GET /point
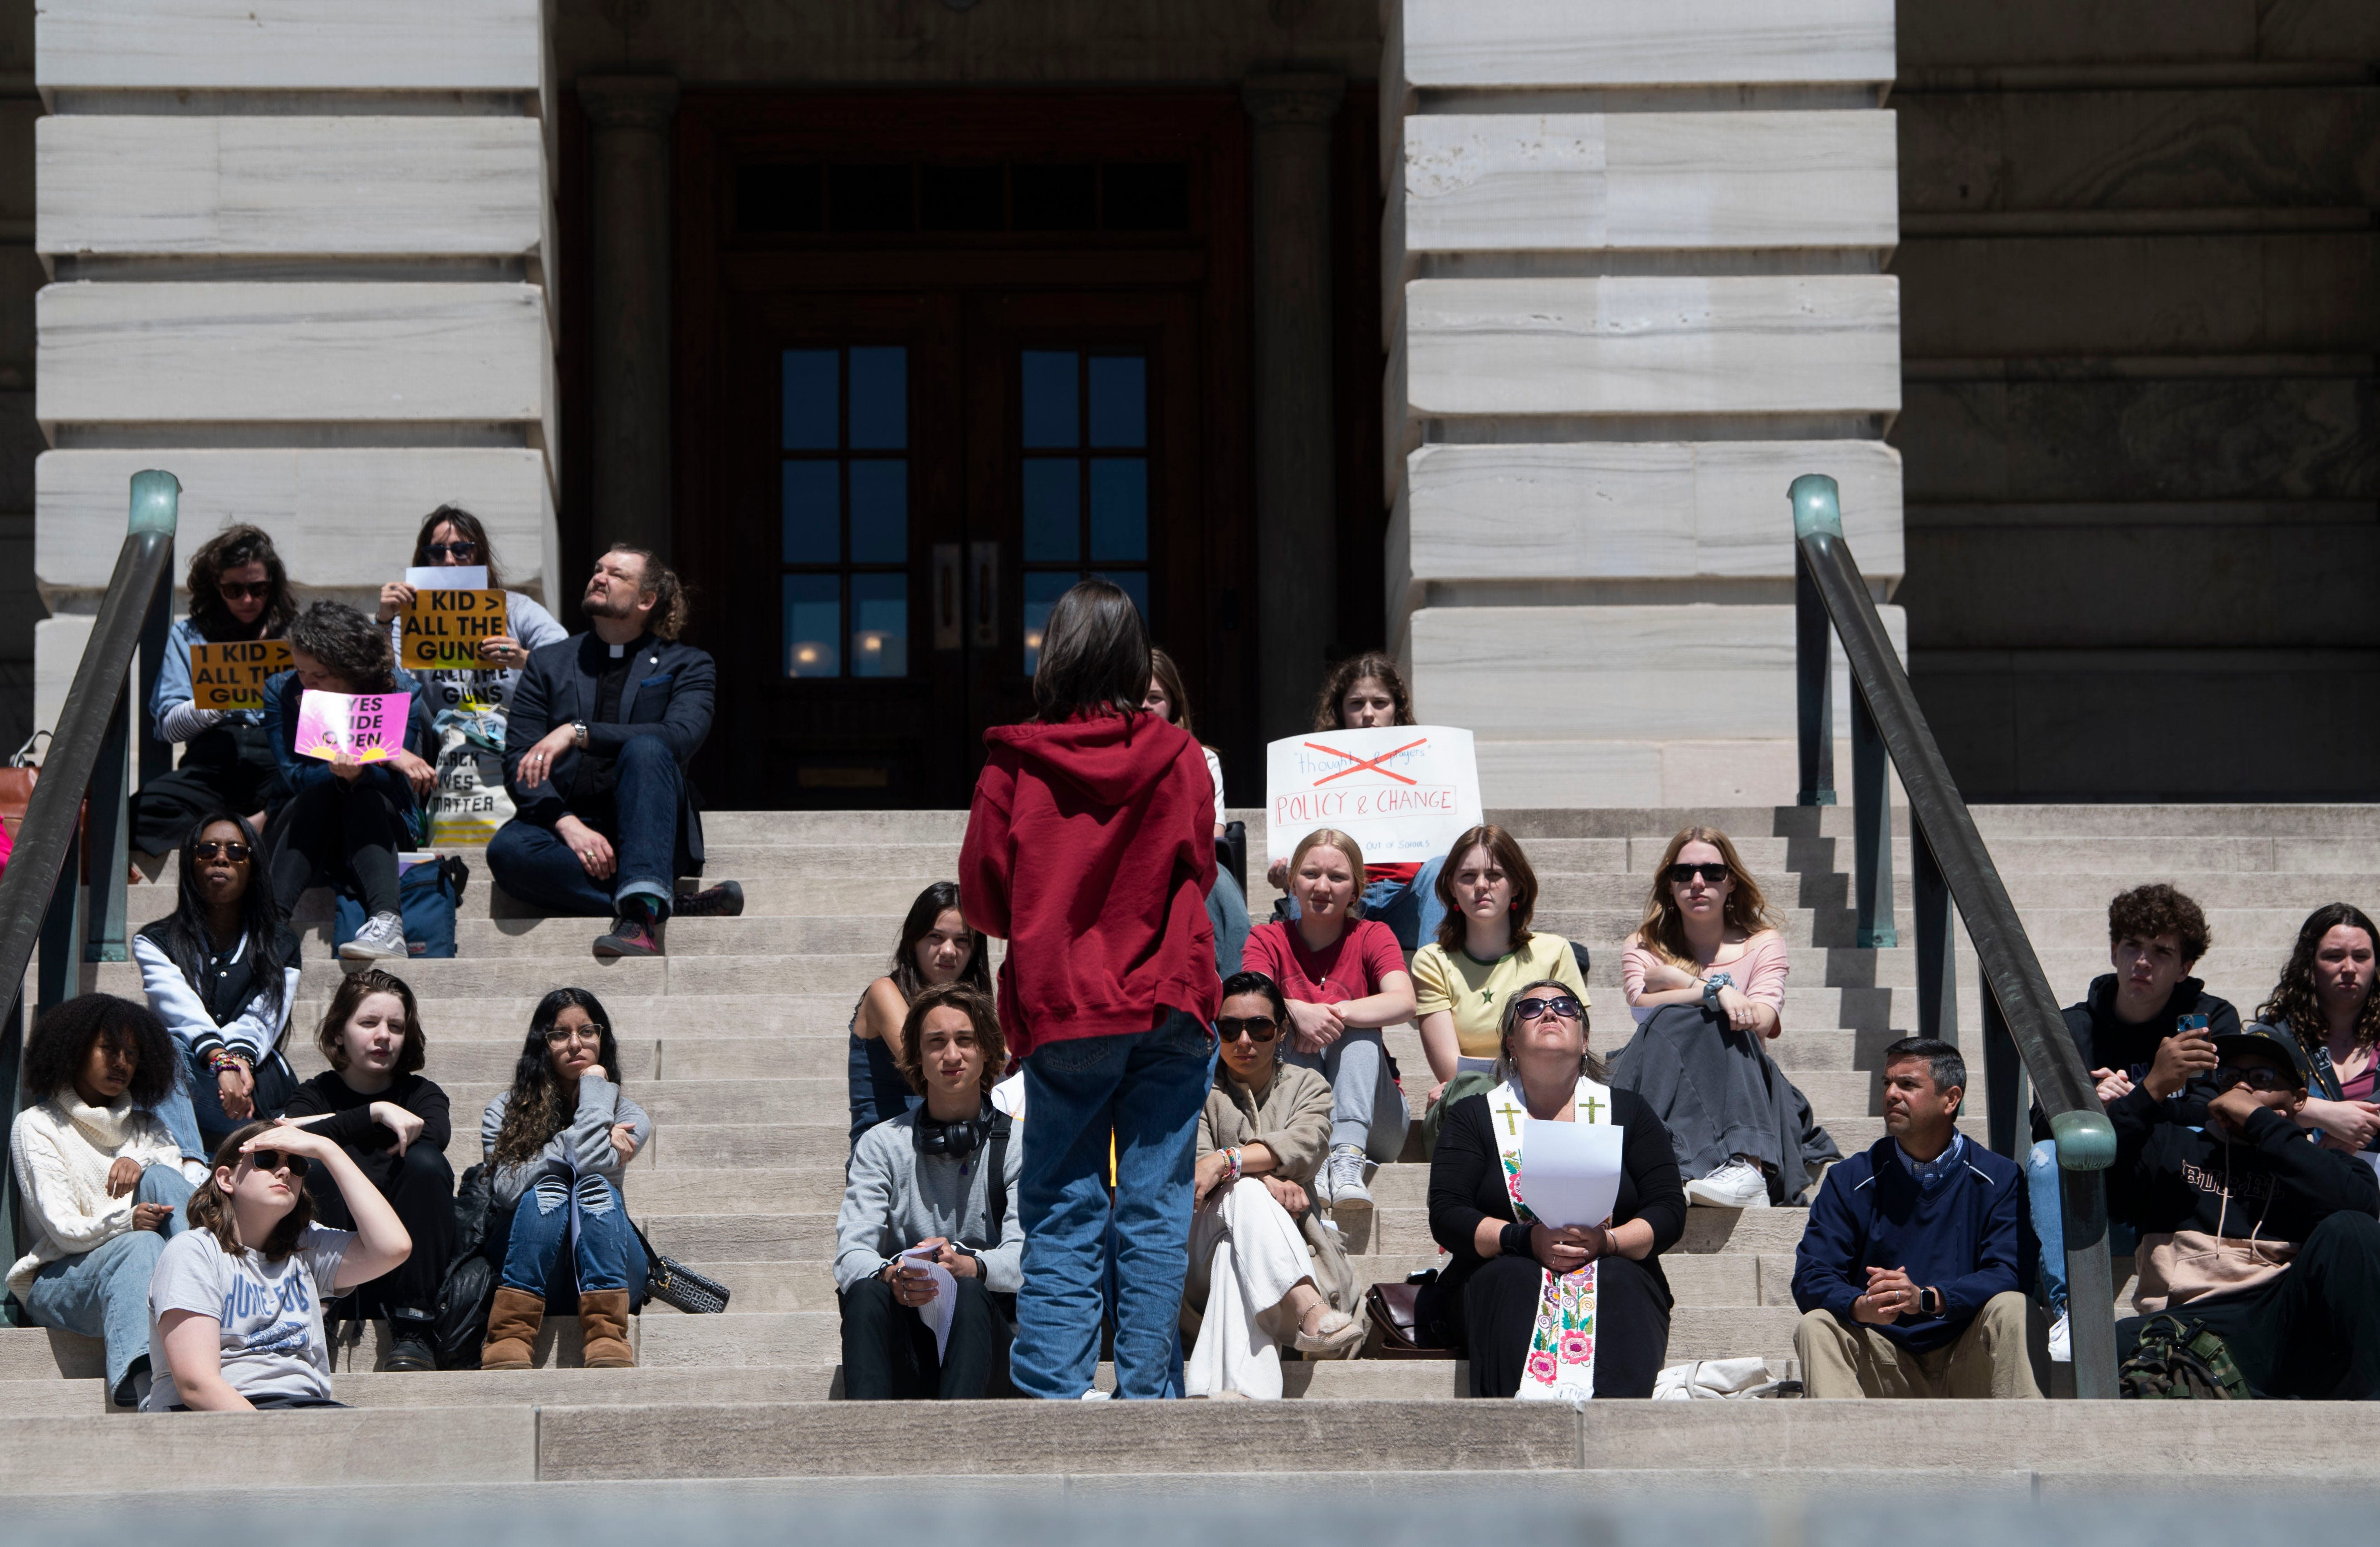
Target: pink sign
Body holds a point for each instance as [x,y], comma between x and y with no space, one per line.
[368,726]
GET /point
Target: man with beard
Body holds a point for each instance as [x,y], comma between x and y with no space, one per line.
[602,728]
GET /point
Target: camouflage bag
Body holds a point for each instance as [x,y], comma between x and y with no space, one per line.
[2176,1358]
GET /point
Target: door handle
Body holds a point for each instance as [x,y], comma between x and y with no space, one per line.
[948,603]
[983,580]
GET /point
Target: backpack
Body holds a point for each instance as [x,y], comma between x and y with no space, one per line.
[2177,1359]
[428,893]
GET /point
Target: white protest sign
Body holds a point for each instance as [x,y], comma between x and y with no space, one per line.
[1403,792]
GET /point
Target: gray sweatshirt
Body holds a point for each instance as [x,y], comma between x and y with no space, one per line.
[897,1198]
[583,1144]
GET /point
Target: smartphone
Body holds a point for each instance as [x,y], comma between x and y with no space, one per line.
[2189,1025]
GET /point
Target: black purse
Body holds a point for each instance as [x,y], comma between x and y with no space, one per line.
[673,1283]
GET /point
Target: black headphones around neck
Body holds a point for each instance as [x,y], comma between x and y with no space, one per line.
[961,1139]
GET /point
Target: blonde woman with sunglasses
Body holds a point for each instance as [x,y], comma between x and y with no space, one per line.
[1704,979]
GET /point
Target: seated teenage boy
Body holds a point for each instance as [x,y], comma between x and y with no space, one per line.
[600,732]
[922,1191]
[1907,1271]
[2250,1228]
[2155,935]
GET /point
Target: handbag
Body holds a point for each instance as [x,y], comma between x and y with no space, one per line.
[1396,1323]
[17,782]
[673,1283]
[472,800]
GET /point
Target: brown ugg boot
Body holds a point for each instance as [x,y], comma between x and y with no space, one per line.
[603,1322]
[513,1322]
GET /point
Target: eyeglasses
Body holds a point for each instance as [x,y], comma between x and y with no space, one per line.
[2259,1077]
[1563,1005]
[207,849]
[464,552]
[234,590]
[1256,1028]
[1712,874]
[556,1035]
[273,1160]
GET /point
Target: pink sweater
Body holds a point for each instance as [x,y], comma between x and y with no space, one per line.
[1758,967]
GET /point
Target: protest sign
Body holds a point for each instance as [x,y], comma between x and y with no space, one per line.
[232,676]
[1403,793]
[443,628]
[370,727]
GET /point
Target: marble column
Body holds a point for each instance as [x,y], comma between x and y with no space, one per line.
[1297,548]
[630,161]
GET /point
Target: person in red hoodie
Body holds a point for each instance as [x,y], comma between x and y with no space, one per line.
[1090,850]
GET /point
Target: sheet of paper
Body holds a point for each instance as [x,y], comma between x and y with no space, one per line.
[448,577]
[368,726]
[1570,1172]
[1008,1096]
[939,1310]
[1474,1066]
[232,676]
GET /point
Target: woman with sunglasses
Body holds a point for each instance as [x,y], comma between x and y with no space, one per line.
[558,1145]
[1705,978]
[238,592]
[222,973]
[452,538]
[1258,1254]
[235,1305]
[393,1124]
[1572,1311]
[1344,979]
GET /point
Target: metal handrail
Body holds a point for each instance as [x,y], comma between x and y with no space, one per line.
[2023,1026]
[78,810]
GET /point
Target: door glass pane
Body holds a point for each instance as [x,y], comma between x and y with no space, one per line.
[1053,509]
[1119,400]
[1133,584]
[880,399]
[879,625]
[1050,398]
[880,512]
[812,400]
[1041,593]
[813,626]
[813,514]
[1119,508]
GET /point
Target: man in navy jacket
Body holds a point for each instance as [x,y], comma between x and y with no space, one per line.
[1907,1272]
[596,744]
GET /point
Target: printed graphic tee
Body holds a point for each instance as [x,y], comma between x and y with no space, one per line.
[272,1312]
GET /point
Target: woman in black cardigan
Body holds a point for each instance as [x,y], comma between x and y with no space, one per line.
[1485,1303]
[395,1124]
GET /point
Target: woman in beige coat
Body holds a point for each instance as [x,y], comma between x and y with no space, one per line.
[1264,1134]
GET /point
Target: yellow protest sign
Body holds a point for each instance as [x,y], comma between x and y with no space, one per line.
[232,676]
[442,629]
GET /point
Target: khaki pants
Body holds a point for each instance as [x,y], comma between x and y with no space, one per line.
[1995,1356]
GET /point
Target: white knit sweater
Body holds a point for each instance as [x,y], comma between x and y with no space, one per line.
[63,1149]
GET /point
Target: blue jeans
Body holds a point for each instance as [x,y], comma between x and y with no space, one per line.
[538,868]
[1145,1088]
[588,1215]
[180,1116]
[202,1101]
[104,1292]
[1412,910]
[1227,910]
[2043,1197]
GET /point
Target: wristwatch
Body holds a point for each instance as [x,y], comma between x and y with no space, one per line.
[1712,983]
[579,734]
[1929,1301]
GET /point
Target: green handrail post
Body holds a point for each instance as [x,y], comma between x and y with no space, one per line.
[1815,510]
[156,513]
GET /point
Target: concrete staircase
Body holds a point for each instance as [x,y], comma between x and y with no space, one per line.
[735,1045]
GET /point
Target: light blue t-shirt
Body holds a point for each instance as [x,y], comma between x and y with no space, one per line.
[272,1312]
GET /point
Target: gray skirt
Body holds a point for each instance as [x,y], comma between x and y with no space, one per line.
[1720,1095]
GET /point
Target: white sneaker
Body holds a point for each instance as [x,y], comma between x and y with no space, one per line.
[1343,1177]
[381,937]
[1736,1185]
[2061,1343]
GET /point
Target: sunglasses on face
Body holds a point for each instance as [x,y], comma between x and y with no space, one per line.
[210,848]
[1257,1028]
[1712,874]
[464,552]
[273,1160]
[1563,1005]
[2260,1078]
[557,1036]
[234,590]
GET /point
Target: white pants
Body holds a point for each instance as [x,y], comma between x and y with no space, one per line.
[1246,1256]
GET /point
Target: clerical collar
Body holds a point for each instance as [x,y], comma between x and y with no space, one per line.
[618,650]
[1929,1173]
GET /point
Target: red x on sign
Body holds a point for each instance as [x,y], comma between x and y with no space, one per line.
[1358,765]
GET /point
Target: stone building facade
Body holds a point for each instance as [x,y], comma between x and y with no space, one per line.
[1488,331]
